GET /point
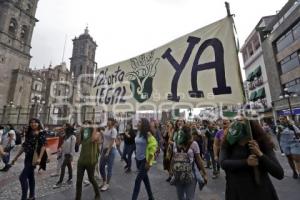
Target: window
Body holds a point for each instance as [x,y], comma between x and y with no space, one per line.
[24,33]
[256,44]
[293,86]
[288,38]
[296,3]
[20,89]
[289,63]
[296,31]
[250,50]
[35,87]
[12,29]
[245,57]
[284,41]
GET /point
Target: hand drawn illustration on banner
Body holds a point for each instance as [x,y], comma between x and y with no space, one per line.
[141,79]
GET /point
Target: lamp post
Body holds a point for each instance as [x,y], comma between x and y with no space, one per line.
[288,95]
[36,102]
[10,106]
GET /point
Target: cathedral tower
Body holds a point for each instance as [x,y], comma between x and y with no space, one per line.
[17,21]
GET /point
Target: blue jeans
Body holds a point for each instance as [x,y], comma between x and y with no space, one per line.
[27,177]
[141,176]
[186,191]
[127,153]
[109,161]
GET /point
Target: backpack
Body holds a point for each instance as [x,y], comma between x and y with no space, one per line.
[18,138]
[182,168]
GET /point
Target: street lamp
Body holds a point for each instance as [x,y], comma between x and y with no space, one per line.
[7,111]
[35,102]
[288,95]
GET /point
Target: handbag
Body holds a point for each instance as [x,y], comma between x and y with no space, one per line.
[169,152]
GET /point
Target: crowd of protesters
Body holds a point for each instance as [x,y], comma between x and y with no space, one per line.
[243,148]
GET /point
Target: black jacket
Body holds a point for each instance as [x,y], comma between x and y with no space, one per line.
[240,183]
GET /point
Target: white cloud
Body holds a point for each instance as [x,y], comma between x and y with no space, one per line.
[123,29]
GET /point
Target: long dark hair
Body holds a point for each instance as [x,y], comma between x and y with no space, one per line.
[188,135]
[144,127]
[29,130]
[176,124]
[172,124]
[263,139]
[69,130]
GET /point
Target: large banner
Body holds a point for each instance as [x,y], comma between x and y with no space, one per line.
[194,70]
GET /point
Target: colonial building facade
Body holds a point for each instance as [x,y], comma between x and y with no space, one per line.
[52,94]
[282,59]
[17,21]
[272,62]
[257,85]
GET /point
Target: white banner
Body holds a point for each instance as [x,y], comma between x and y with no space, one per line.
[200,68]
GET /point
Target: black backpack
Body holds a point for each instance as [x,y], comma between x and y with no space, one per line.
[18,138]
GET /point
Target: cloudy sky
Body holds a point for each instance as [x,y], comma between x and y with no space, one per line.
[127,28]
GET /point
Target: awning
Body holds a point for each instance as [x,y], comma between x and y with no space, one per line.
[257,72]
[250,77]
[261,93]
[252,96]
[229,114]
[286,112]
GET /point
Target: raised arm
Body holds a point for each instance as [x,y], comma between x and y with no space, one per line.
[95,135]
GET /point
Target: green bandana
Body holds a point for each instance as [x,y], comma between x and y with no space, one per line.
[236,132]
[181,138]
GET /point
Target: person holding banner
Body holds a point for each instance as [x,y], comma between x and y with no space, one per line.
[240,155]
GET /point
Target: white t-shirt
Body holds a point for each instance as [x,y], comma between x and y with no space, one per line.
[194,149]
[6,138]
[68,147]
[108,136]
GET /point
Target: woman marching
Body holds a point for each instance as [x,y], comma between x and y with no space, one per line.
[238,157]
[168,148]
[186,157]
[67,151]
[108,153]
[129,147]
[34,149]
[146,146]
